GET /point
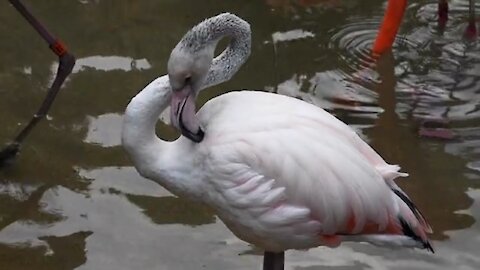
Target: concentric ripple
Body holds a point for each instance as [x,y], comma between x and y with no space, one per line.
[436,68]
[356,39]
[356,79]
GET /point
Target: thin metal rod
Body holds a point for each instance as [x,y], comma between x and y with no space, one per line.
[273,260]
[65,66]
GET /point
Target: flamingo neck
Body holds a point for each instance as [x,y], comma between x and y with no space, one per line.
[167,163]
[208,33]
[138,133]
[170,162]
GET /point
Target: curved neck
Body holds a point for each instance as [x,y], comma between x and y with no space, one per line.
[208,33]
[142,113]
[138,132]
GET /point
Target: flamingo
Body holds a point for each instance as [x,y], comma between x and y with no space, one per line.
[279,172]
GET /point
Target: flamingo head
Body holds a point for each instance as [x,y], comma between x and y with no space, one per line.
[187,69]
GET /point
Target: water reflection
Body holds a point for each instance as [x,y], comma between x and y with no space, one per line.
[69,246]
[109,63]
[73,200]
[105,130]
[290,35]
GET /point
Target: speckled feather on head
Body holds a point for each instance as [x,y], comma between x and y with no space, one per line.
[208,33]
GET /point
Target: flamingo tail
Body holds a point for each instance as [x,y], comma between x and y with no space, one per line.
[412,222]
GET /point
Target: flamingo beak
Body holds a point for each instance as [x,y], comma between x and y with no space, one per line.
[183,114]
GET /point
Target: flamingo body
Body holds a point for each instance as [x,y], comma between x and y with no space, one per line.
[281,173]
[285,173]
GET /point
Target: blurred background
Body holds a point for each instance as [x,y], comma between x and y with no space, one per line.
[72,200]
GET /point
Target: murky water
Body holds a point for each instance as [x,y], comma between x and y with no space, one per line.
[73,199]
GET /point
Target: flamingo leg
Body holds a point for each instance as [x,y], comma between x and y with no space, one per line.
[442,14]
[472,8]
[273,260]
[390,25]
[471,31]
[66,63]
[387,32]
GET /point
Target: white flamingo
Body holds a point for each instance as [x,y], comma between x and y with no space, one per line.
[280,173]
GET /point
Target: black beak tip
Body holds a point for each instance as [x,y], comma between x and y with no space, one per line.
[195,137]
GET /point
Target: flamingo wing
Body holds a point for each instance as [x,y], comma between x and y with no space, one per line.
[277,162]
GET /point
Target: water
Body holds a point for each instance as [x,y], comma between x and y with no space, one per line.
[73,200]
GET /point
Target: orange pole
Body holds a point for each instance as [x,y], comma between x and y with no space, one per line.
[389,28]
